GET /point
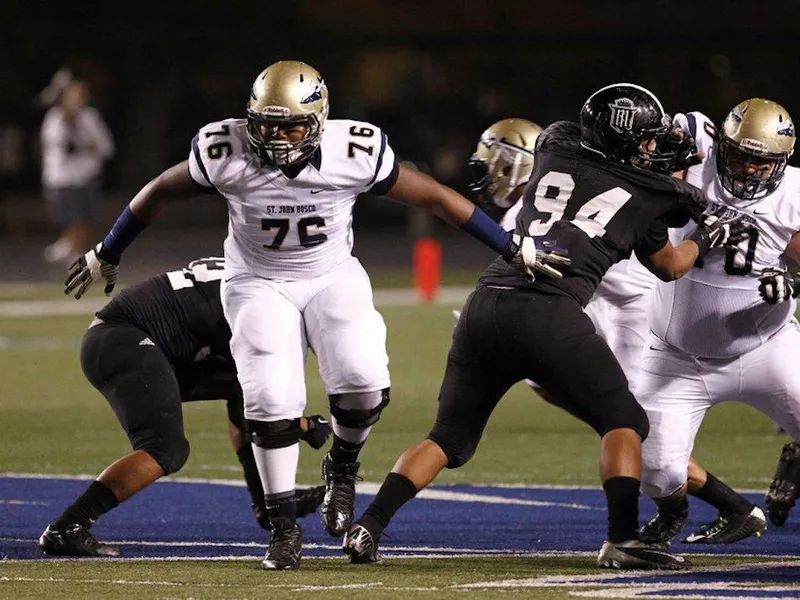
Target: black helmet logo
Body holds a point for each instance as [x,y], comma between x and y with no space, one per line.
[622,113]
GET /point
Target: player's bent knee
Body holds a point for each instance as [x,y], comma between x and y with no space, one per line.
[663,481]
[170,456]
[631,416]
[275,434]
[353,417]
[458,446]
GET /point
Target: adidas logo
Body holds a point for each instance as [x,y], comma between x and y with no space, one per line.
[146,342]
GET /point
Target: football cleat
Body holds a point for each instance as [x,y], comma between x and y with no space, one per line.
[339,502]
[284,550]
[635,554]
[730,527]
[665,525]
[73,540]
[307,500]
[784,487]
[360,546]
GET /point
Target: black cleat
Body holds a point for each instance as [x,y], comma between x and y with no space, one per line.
[635,554]
[665,525]
[360,546]
[339,502]
[729,528]
[73,540]
[284,550]
[308,500]
[784,487]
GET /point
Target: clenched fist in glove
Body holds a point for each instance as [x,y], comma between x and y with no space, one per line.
[776,286]
[95,265]
[524,253]
[720,228]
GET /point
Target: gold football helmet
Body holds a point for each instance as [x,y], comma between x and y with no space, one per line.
[286,93]
[755,143]
[503,160]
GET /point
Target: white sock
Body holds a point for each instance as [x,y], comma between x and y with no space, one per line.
[277,468]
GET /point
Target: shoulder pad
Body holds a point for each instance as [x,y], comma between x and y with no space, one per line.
[217,151]
[356,154]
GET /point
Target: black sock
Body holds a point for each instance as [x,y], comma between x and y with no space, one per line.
[722,497]
[344,452]
[97,500]
[282,510]
[395,492]
[251,477]
[622,496]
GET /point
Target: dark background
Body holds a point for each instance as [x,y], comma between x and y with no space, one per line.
[433,74]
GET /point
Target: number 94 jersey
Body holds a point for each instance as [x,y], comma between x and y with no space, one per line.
[291,228]
[715,310]
[593,210]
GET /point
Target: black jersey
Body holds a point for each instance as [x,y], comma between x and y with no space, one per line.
[595,211]
[180,311]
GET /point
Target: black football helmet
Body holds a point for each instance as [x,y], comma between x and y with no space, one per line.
[619,121]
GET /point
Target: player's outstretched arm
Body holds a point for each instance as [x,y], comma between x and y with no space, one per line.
[417,189]
[102,261]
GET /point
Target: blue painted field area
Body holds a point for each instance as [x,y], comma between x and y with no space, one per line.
[175,519]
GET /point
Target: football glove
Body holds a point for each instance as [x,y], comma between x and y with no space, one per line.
[318,432]
[720,228]
[685,149]
[95,265]
[776,286]
[523,253]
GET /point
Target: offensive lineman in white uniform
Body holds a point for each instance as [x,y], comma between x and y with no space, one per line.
[501,166]
[290,178]
[714,339]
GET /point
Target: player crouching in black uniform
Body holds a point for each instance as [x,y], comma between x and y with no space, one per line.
[599,191]
[155,345]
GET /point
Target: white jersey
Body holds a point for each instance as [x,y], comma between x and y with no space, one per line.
[290,229]
[715,311]
[622,282]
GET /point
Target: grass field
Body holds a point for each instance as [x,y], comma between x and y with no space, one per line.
[53,422]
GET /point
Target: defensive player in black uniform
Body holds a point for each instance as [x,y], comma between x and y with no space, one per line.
[156,344]
[599,191]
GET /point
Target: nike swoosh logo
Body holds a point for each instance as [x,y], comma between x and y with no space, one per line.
[657,349]
[316,191]
[760,214]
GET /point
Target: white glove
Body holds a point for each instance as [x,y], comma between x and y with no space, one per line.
[776,286]
[534,260]
[93,266]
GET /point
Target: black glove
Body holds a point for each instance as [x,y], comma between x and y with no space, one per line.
[95,265]
[523,253]
[720,228]
[776,286]
[684,147]
[318,432]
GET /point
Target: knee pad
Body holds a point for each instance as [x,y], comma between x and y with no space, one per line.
[357,418]
[458,445]
[170,453]
[274,434]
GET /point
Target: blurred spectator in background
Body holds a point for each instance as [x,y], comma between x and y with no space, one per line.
[75,145]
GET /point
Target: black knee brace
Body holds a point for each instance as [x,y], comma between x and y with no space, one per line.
[274,434]
[358,418]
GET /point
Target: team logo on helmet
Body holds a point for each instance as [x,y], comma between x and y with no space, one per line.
[787,130]
[315,95]
[622,113]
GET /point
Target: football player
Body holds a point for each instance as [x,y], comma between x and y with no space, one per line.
[155,345]
[599,190]
[713,338]
[501,166]
[290,177]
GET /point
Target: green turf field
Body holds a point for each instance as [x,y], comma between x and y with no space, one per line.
[55,422]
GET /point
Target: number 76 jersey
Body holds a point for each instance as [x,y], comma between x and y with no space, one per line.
[287,228]
[715,310]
